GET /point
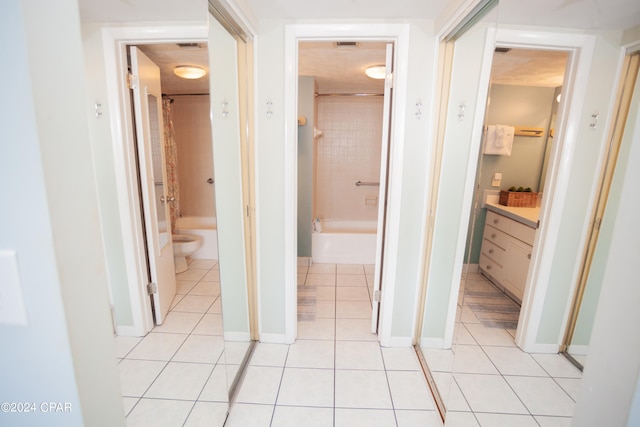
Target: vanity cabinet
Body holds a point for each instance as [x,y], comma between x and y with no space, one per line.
[506,253]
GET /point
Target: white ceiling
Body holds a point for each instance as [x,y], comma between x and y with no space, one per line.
[579,14]
[345,9]
[143,10]
[168,56]
[341,69]
[529,67]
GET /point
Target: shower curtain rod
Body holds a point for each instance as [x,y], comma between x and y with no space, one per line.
[349,94]
[169,95]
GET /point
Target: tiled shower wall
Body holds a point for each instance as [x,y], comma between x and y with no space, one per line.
[195,155]
[348,150]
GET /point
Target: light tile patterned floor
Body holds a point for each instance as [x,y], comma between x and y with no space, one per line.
[487,380]
[176,375]
[336,374]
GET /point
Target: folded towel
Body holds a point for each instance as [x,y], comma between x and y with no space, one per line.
[499,140]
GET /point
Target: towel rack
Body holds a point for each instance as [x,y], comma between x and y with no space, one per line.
[525,131]
[528,131]
[372,184]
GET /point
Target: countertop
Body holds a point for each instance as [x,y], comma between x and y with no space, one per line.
[526,216]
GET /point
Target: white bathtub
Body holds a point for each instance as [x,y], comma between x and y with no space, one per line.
[206,228]
[344,242]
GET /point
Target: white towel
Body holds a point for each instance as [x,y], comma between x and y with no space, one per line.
[499,140]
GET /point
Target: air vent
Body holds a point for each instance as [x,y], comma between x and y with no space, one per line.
[347,44]
[503,49]
[190,45]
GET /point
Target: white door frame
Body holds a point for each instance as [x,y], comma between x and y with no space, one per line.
[115,41]
[581,47]
[398,34]
[571,112]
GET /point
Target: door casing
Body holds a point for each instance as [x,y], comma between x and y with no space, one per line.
[115,41]
[399,35]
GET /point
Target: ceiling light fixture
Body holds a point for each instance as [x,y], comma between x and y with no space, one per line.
[189,71]
[376,72]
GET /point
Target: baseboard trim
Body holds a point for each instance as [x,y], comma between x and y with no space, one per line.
[237,336]
[275,339]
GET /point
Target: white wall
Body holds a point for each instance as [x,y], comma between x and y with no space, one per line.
[612,368]
[270,175]
[586,161]
[50,218]
[103,151]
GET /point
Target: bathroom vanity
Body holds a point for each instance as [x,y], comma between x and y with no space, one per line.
[507,244]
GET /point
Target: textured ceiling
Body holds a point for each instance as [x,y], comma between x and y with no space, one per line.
[168,56]
[529,67]
[341,69]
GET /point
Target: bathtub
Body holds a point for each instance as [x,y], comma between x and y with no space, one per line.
[344,242]
[206,228]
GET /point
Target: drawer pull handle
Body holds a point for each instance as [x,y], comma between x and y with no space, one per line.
[493,235]
[495,221]
[488,267]
[529,256]
[491,251]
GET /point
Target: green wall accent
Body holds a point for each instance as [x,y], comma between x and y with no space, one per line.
[306,102]
[514,106]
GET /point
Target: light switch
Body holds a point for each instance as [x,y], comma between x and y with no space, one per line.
[496,180]
[12,310]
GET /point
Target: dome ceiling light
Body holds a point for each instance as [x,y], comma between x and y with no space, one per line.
[376,72]
[189,71]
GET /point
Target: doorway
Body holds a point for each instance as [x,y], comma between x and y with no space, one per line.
[342,173]
[176,174]
[523,101]
[465,120]
[398,35]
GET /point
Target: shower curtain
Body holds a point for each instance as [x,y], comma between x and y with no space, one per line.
[171,156]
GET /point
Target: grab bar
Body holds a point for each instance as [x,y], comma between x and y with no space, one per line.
[359,183]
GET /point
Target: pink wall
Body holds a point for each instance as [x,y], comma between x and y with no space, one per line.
[195,155]
[348,151]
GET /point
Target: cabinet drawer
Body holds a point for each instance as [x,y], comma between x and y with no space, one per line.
[522,232]
[495,236]
[491,268]
[493,251]
[498,221]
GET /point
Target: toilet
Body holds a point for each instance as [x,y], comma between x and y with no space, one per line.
[183,246]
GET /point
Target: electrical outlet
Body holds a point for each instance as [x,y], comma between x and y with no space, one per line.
[496,180]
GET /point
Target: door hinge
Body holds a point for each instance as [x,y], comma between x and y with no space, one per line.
[389,81]
[132,80]
[248,214]
[152,288]
[377,295]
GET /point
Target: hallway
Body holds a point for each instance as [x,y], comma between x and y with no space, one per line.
[487,380]
[175,376]
[336,373]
